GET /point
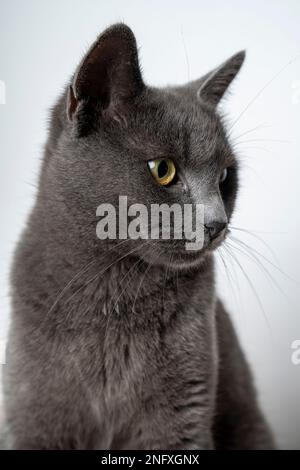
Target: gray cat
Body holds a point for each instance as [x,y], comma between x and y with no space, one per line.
[123,344]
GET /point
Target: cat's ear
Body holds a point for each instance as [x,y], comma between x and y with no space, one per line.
[213,86]
[109,75]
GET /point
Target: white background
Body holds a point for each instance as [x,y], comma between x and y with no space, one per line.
[41,42]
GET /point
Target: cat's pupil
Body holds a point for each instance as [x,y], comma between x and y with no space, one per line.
[162,169]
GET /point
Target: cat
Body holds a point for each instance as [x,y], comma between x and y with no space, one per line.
[124,344]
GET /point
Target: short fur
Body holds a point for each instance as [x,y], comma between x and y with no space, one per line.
[124,345]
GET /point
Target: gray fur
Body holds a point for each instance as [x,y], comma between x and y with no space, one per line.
[124,345]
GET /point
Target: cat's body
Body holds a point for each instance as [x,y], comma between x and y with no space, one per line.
[123,344]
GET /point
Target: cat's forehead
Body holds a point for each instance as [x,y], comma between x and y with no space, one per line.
[168,123]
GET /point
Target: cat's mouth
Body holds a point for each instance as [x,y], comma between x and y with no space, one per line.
[176,255]
[190,258]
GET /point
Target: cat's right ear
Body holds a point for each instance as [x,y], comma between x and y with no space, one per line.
[211,88]
[107,79]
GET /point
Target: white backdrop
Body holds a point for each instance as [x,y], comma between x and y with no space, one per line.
[40,44]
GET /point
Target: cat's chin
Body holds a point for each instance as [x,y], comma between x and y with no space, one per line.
[180,260]
[188,263]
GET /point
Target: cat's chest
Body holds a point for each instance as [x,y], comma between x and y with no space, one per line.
[142,343]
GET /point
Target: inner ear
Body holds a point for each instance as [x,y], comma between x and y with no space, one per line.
[109,75]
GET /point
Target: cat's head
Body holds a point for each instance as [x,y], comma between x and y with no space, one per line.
[155,146]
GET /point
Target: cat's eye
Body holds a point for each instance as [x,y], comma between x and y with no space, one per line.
[223,175]
[163,170]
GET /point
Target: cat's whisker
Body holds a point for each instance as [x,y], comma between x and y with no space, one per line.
[249,131]
[257,147]
[141,261]
[98,274]
[281,141]
[254,234]
[259,254]
[68,285]
[78,274]
[250,283]
[142,280]
[260,265]
[111,310]
[108,318]
[232,282]
[115,302]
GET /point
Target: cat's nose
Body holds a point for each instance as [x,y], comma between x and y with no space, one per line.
[214,229]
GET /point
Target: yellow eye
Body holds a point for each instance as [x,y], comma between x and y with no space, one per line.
[163,170]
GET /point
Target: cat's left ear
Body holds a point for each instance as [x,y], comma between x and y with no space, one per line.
[212,87]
